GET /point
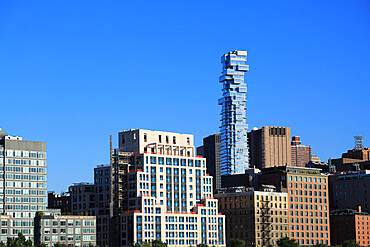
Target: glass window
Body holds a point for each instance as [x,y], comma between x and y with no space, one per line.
[176,161]
[153,160]
[168,161]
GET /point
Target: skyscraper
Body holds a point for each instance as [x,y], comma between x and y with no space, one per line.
[22,182]
[234,146]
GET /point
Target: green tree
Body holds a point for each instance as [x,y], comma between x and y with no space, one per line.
[58,245]
[235,243]
[321,245]
[41,245]
[350,243]
[19,241]
[287,242]
[146,244]
[158,243]
[202,245]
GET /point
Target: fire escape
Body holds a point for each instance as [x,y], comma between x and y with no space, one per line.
[265,221]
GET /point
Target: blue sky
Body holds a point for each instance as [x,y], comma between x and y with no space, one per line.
[74,72]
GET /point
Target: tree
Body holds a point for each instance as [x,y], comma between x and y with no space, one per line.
[146,244]
[58,245]
[350,243]
[158,243]
[235,243]
[19,241]
[41,245]
[321,245]
[287,242]
[202,245]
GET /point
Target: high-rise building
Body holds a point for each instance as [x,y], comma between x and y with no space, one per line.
[308,200]
[349,224]
[260,218]
[301,154]
[234,127]
[269,147]
[211,151]
[169,194]
[22,182]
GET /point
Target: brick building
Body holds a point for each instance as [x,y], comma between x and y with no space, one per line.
[301,154]
[308,201]
[350,224]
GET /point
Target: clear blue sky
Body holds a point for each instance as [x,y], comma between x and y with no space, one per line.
[74,72]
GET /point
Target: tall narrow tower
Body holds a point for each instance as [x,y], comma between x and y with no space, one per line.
[234,127]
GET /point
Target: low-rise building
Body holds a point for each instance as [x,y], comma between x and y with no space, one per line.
[50,228]
[260,218]
[350,224]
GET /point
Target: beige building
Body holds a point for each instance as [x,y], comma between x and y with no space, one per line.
[260,218]
[168,194]
[69,230]
[269,147]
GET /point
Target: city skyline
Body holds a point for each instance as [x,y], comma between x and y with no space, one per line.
[70,85]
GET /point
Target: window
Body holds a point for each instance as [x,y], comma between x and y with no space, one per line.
[174,140]
[153,160]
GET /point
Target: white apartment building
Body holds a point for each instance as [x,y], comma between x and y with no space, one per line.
[22,183]
[170,195]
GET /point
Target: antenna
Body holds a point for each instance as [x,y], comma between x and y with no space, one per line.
[359,143]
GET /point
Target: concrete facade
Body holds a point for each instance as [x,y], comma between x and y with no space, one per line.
[22,182]
[51,228]
[269,147]
[169,194]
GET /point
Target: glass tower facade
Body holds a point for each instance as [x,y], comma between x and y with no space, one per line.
[234,127]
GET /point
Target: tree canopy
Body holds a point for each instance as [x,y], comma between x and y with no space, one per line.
[287,242]
[235,243]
